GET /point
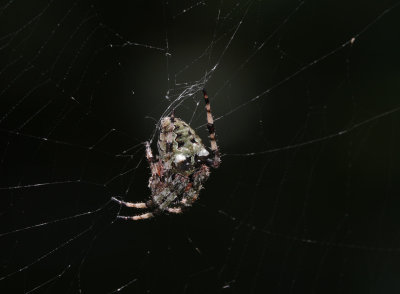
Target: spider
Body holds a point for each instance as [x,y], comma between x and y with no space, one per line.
[180,169]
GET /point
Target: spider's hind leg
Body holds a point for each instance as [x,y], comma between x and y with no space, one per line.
[130,204]
[174,210]
[137,217]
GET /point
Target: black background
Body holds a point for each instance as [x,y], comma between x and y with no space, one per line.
[313,210]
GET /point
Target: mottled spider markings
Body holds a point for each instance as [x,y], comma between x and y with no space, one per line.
[180,169]
[186,148]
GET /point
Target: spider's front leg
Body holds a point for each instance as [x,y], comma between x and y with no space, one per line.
[211,130]
[154,167]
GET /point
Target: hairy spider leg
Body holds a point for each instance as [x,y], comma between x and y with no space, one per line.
[174,210]
[130,204]
[137,217]
[169,137]
[151,160]
[146,215]
[141,205]
[211,130]
[135,205]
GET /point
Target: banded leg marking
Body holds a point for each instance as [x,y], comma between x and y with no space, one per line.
[137,217]
[211,130]
[130,204]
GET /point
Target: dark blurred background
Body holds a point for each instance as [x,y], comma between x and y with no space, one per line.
[305,96]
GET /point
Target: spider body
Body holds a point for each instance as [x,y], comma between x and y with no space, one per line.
[180,169]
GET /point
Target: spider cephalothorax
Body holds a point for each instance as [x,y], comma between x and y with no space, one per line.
[180,169]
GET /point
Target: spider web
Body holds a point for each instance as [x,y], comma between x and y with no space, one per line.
[304,96]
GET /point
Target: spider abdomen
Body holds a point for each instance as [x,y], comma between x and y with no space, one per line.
[186,146]
[171,191]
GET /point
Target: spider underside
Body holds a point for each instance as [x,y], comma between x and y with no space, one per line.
[180,169]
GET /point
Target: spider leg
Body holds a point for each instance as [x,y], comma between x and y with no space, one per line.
[170,138]
[130,204]
[211,130]
[151,160]
[137,217]
[174,210]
